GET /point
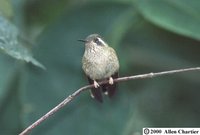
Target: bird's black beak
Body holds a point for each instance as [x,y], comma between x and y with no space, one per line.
[82,40]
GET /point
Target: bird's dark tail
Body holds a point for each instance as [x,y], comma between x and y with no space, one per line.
[96,92]
[109,89]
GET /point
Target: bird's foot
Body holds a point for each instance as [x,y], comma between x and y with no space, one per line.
[96,85]
[111,82]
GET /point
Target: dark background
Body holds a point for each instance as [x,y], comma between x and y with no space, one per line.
[148,36]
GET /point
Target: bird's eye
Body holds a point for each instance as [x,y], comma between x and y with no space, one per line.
[96,40]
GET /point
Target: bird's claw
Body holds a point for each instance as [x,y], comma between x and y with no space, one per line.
[111,82]
[96,85]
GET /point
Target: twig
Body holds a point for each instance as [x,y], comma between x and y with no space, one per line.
[77,92]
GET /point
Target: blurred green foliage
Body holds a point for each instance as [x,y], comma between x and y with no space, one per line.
[148,35]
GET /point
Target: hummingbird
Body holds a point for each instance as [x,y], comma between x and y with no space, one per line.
[100,62]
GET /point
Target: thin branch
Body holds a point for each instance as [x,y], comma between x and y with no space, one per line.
[77,92]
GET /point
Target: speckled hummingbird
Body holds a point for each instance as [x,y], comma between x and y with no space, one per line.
[100,63]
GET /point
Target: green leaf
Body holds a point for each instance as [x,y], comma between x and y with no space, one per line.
[179,16]
[11,45]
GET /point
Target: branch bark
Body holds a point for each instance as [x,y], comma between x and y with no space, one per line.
[77,92]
